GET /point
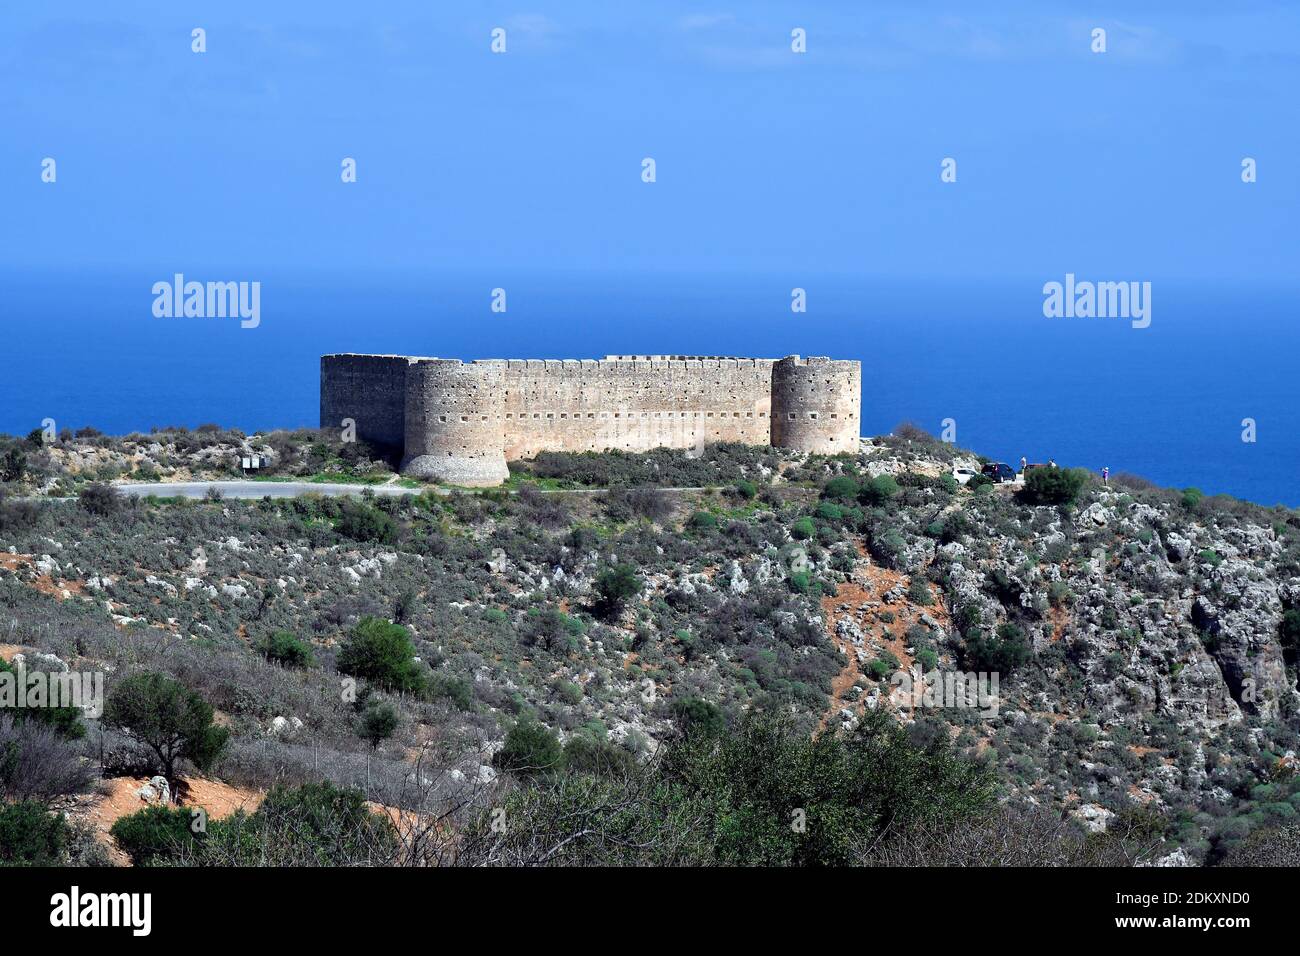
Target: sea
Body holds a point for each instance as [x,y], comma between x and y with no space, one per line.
[1204,396]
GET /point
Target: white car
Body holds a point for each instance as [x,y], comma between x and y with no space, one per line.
[963,474]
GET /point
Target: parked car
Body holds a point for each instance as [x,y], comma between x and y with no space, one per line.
[963,474]
[999,472]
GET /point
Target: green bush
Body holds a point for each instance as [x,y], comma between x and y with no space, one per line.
[694,715]
[582,754]
[155,834]
[457,690]
[1289,635]
[878,491]
[569,692]
[13,464]
[168,718]
[378,723]
[1000,653]
[1053,486]
[615,587]
[918,592]
[746,489]
[65,720]
[703,521]
[1192,498]
[530,749]
[764,794]
[100,500]
[316,824]
[841,488]
[382,652]
[30,835]
[828,511]
[803,529]
[363,522]
[286,649]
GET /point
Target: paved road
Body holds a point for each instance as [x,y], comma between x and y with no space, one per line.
[257,489]
[291,489]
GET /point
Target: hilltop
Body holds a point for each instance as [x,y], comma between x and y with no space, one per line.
[1145,640]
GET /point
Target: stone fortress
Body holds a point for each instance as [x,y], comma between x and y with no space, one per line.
[460,422]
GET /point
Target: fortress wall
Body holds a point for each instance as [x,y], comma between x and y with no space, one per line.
[371,390]
[588,405]
[460,422]
[454,422]
[815,405]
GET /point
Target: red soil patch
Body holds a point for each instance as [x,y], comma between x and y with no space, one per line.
[43,583]
[119,799]
[868,586]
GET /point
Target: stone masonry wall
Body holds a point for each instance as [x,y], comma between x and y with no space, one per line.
[370,390]
[461,422]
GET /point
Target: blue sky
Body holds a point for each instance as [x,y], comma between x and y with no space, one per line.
[1124,164]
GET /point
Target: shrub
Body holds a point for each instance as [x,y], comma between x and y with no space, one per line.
[99,499]
[1289,635]
[454,689]
[746,489]
[803,529]
[378,723]
[582,754]
[530,749]
[286,649]
[918,592]
[1053,486]
[1273,846]
[362,522]
[37,762]
[155,834]
[382,652]
[13,464]
[30,835]
[801,582]
[615,587]
[731,799]
[828,511]
[66,721]
[168,718]
[878,491]
[316,824]
[1192,498]
[703,521]
[694,715]
[1002,653]
[841,488]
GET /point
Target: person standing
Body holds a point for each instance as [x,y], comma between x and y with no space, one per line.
[1105,475]
[1024,463]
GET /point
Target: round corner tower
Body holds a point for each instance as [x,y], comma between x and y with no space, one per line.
[816,405]
[454,418]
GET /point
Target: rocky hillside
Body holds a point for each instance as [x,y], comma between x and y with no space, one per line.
[1144,641]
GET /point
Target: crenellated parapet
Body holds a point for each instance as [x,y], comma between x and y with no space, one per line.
[460,422]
